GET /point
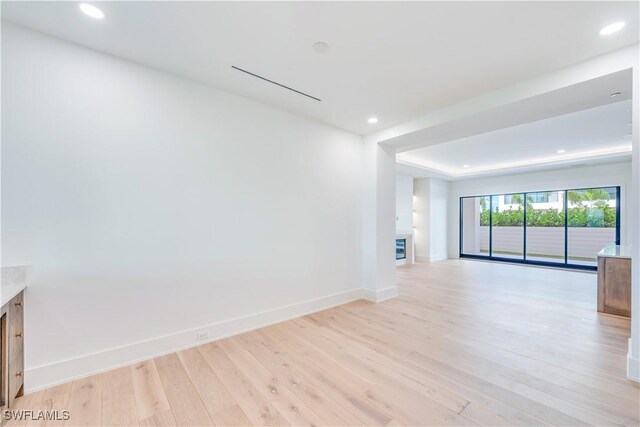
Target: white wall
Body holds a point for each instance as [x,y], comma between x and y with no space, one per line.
[633,356]
[422,232]
[379,231]
[149,206]
[617,174]
[438,218]
[404,203]
[431,218]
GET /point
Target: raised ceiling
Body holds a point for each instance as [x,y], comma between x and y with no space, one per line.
[596,134]
[394,60]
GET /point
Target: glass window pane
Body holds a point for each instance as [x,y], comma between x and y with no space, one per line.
[591,223]
[475,225]
[507,219]
[545,226]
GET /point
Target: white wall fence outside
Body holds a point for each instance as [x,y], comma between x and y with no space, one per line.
[584,242]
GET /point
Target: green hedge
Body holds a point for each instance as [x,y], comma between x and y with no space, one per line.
[581,216]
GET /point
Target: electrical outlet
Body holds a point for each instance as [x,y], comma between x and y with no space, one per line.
[202,336]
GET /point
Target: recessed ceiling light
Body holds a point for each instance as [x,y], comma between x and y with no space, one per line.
[372,120]
[465,166]
[561,151]
[612,28]
[91,10]
[614,94]
[321,47]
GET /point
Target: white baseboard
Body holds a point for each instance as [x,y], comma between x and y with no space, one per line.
[633,366]
[44,376]
[438,257]
[380,295]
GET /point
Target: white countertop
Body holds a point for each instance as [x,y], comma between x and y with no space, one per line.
[10,291]
[14,280]
[616,251]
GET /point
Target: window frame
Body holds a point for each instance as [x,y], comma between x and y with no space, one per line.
[566,227]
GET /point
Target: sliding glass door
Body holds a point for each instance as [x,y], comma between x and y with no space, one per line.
[559,228]
[546,226]
[507,226]
[592,223]
[474,221]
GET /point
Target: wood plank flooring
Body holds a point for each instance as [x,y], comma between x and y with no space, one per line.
[465,343]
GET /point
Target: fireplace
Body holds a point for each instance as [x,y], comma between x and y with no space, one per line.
[401,249]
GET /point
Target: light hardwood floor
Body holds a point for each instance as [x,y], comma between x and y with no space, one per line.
[465,343]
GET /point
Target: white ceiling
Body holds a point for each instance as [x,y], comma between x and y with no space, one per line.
[395,60]
[601,133]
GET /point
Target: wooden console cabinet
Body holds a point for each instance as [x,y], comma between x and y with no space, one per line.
[12,349]
[614,281]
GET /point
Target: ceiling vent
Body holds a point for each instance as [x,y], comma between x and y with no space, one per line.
[275,83]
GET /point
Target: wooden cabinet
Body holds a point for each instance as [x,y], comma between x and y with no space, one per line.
[15,305]
[13,350]
[614,286]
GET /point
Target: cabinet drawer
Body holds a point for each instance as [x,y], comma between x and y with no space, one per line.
[15,339]
[16,378]
[15,305]
[15,350]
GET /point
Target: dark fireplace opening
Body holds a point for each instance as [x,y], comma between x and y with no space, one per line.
[401,249]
